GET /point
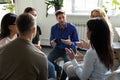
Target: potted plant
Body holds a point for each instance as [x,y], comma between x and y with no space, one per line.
[9,6]
[115,6]
[57,4]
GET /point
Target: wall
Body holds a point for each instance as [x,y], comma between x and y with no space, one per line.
[46,23]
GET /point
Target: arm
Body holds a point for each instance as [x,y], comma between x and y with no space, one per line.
[38,45]
[43,73]
[75,37]
[52,38]
[38,33]
[72,37]
[84,70]
[83,44]
[87,67]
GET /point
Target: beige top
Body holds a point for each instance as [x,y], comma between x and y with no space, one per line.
[6,40]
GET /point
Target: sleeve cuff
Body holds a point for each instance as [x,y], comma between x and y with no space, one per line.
[74,62]
[74,43]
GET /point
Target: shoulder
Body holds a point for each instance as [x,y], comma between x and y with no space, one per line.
[70,25]
[3,41]
[91,53]
[55,26]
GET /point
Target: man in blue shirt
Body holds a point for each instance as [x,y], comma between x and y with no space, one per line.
[63,35]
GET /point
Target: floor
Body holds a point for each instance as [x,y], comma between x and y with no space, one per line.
[46,49]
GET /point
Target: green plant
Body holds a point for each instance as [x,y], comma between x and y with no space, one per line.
[9,6]
[115,5]
[105,8]
[57,4]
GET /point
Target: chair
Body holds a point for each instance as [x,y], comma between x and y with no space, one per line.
[60,63]
[115,75]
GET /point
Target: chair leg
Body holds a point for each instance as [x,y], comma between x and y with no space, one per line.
[59,73]
[74,78]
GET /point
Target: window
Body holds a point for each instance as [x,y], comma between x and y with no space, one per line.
[3,12]
[85,6]
[112,6]
[3,9]
[81,6]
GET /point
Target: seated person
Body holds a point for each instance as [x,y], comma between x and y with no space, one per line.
[36,42]
[98,12]
[63,34]
[98,59]
[36,39]
[8,29]
[20,59]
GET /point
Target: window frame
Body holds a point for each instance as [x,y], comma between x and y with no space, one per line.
[99,4]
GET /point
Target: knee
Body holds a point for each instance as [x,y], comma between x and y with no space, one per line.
[65,66]
[70,71]
[50,65]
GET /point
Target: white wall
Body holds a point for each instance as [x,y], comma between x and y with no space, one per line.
[46,23]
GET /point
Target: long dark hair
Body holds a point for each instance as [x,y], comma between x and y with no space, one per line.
[8,19]
[100,40]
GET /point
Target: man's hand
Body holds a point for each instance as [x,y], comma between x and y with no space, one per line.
[67,41]
[53,43]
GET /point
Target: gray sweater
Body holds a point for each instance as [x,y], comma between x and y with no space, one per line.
[91,68]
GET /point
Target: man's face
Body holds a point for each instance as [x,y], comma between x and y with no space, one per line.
[61,18]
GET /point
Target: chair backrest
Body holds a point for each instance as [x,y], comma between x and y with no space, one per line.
[115,75]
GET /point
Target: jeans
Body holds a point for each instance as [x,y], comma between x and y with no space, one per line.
[51,70]
[56,53]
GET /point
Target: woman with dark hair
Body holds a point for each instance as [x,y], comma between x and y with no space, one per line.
[36,39]
[98,59]
[8,28]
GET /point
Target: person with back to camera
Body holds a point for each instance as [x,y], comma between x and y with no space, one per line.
[98,60]
[8,29]
[20,59]
[63,34]
[36,42]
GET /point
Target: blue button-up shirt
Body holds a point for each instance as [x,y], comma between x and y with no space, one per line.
[57,33]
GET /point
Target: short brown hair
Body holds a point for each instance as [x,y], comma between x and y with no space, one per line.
[59,12]
[25,22]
